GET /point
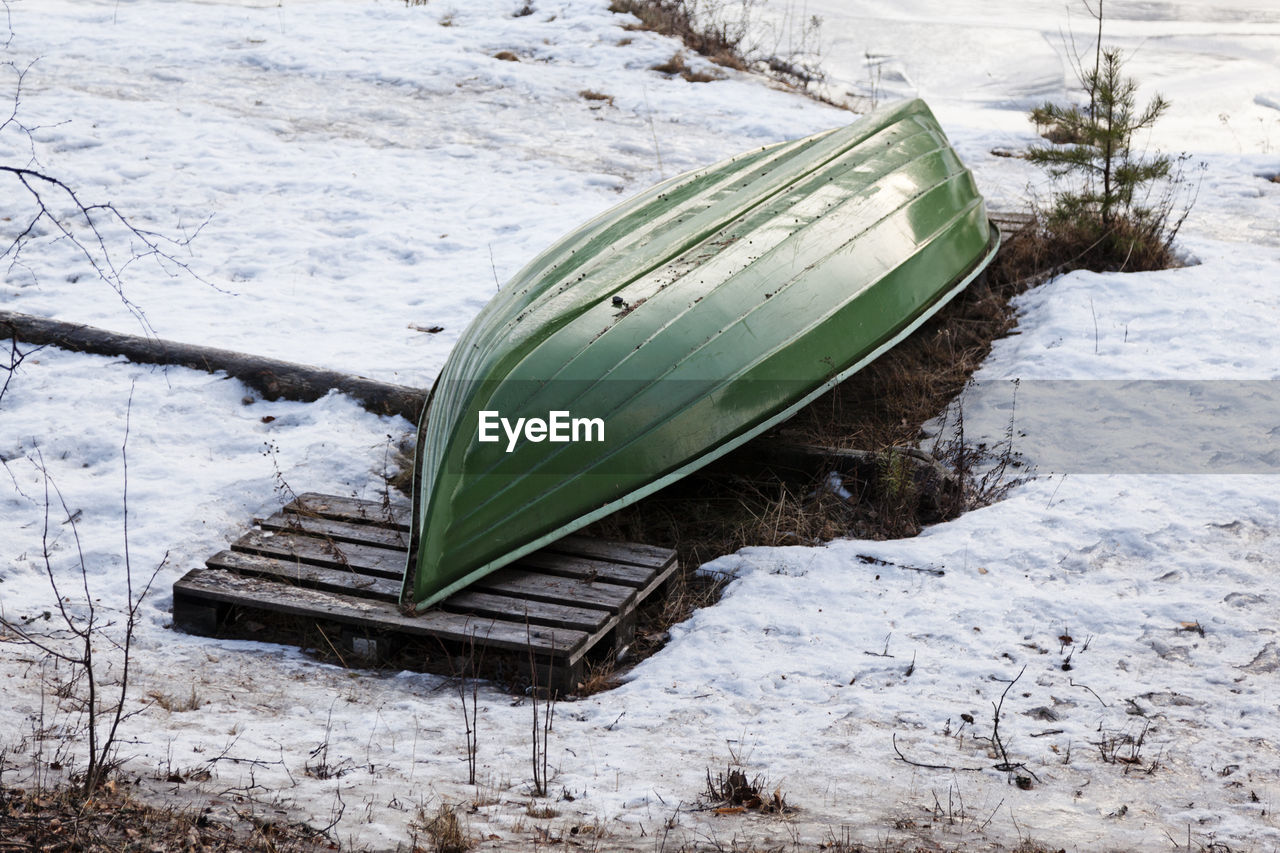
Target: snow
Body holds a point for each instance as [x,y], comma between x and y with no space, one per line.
[364,168]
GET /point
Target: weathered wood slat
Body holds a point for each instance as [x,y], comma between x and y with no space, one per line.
[584,569]
[600,596]
[301,574]
[365,559]
[518,610]
[631,553]
[355,520]
[364,512]
[352,510]
[339,531]
[230,588]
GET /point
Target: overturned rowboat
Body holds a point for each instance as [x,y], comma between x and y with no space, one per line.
[679,325]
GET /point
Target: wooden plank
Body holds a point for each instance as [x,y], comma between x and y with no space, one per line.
[353,510]
[301,574]
[365,559]
[339,531]
[257,593]
[600,596]
[585,569]
[511,609]
[631,553]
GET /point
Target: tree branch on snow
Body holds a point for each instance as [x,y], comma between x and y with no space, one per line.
[1005,765]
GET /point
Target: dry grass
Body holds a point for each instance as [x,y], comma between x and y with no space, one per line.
[731,792]
[728,35]
[601,676]
[593,95]
[113,820]
[677,65]
[1126,245]
[538,812]
[401,479]
[443,832]
[175,704]
[719,43]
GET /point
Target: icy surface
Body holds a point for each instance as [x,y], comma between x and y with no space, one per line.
[365,167]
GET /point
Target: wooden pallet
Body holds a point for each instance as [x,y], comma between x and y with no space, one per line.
[327,571]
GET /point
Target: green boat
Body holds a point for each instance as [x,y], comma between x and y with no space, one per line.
[680,324]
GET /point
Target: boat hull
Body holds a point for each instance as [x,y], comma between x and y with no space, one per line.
[680,324]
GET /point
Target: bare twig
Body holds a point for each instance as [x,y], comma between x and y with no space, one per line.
[49,194]
[906,760]
[885,653]
[876,561]
[1090,689]
[16,357]
[541,726]
[82,632]
[469,692]
[1005,765]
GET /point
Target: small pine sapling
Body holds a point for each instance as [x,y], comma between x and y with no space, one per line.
[1107,216]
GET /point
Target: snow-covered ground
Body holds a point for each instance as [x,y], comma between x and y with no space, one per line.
[366,167]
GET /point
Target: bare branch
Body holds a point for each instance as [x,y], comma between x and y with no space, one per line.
[906,760]
[8,23]
[44,190]
[104,238]
[16,357]
[1004,765]
[82,633]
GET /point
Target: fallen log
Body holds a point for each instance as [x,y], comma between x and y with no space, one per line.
[272,378]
